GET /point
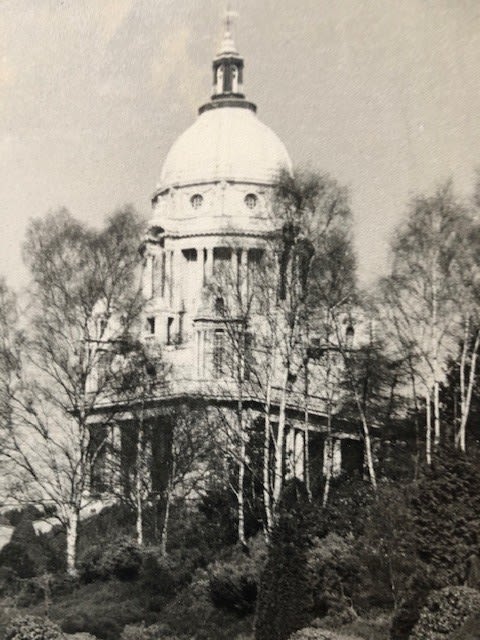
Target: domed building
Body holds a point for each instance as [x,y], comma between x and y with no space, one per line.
[211,206]
[212,215]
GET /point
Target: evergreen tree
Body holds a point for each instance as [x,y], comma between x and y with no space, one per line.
[446,518]
[284,600]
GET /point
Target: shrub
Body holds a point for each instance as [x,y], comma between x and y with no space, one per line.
[33,628]
[445,515]
[141,632]
[192,614]
[310,633]
[16,557]
[233,585]
[8,582]
[160,579]
[120,559]
[284,600]
[469,630]
[408,612]
[335,570]
[446,610]
[90,565]
[102,609]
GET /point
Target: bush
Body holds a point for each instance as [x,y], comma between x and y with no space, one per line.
[16,557]
[8,582]
[445,515]
[160,579]
[284,600]
[469,630]
[233,585]
[335,571]
[33,628]
[120,559]
[102,609]
[192,614]
[446,610]
[310,633]
[407,614]
[141,632]
[90,566]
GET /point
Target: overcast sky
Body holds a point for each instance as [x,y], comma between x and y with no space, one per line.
[382,94]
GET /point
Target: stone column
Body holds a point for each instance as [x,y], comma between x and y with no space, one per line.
[147,279]
[208,269]
[290,454]
[299,456]
[161,432]
[235,265]
[177,279]
[244,274]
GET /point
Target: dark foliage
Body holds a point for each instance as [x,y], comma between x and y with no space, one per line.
[284,600]
[234,583]
[16,557]
[345,512]
[408,612]
[102,609]
[120,559]
[446,611]
[470,630]
[445,514]
[33,628]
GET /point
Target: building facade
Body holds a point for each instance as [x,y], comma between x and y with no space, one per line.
[211,216]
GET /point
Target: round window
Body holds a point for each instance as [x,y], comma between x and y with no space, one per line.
[251,200]
[196,200]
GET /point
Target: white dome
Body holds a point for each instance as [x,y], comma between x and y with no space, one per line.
[225,143]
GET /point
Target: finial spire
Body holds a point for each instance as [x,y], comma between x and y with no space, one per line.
[227,45]
[227,70]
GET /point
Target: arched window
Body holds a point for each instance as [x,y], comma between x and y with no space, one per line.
[234,72]
[220,79]
[196,201]
[219,306]
[218,352]
[349,335]
[251,200]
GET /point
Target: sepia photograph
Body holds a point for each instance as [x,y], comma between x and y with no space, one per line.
[239,320]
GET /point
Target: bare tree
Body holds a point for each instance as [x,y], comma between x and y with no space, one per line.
[423,295]
[84,297]
[304,268]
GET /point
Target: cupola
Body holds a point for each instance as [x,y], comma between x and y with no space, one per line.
[227,70]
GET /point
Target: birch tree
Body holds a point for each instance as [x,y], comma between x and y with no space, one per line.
[423,296]
[83,298]
[314,256]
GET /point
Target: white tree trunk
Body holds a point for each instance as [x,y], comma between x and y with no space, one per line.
[240,495]
[436,412]
[329,467]
[267,498]
[241,468]
[139,488]
[466,399]
[164,534]
[279,448]
[72,535]
[428,426]
[306,452]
